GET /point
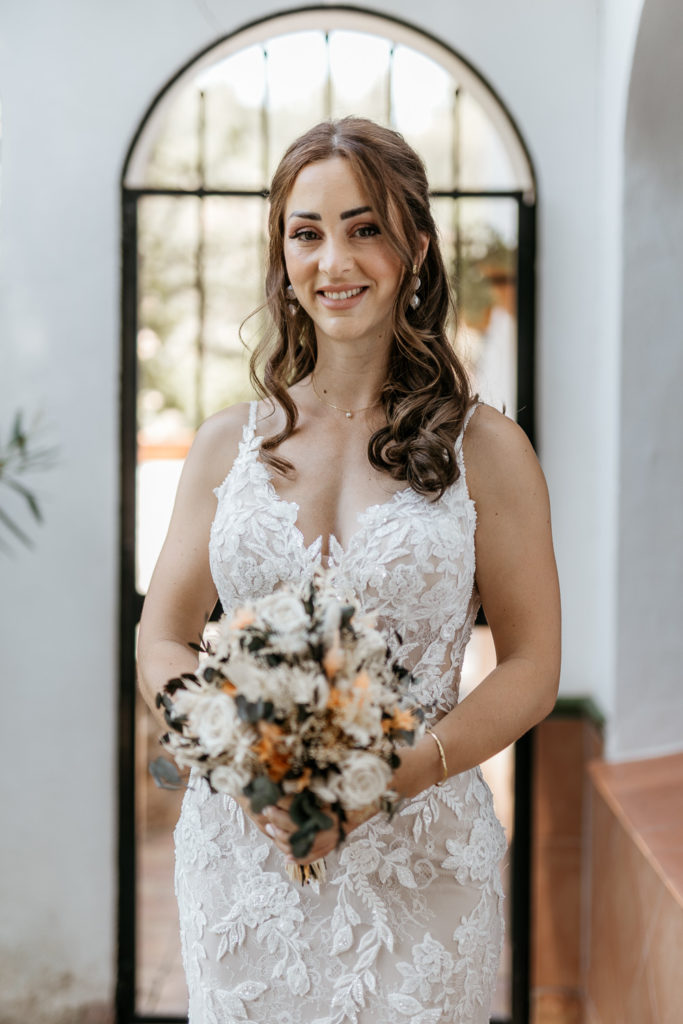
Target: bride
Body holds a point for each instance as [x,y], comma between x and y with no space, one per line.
[367,453]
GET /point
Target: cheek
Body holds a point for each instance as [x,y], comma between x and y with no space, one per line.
[296,265]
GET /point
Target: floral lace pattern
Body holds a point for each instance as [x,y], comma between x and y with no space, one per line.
[408,925]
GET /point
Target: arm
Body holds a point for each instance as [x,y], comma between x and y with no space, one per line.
[181,594]
[517,581]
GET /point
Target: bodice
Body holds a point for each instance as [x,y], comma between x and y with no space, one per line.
[410,562]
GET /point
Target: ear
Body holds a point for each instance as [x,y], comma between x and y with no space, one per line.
[422,251]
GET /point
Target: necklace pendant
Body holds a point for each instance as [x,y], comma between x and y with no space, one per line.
[349,415]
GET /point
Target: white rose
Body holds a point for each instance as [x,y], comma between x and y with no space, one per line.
[230,779]
[331,620]
[184,702]
[286,615]
[364,779]
[371,645]
[305,687]
[362,722]
[214,721]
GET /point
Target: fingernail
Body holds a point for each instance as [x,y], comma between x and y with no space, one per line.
[271,831]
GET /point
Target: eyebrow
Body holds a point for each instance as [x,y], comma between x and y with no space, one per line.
[354,213]
[308,215]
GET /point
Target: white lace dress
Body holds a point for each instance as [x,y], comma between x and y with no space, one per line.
[408,926]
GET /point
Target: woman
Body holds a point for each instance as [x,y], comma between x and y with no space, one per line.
[355,458]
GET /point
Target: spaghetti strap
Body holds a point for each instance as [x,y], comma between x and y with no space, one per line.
[468,416]
[250,425]
[461,437]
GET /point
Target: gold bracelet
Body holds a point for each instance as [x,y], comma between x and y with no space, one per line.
[442,755]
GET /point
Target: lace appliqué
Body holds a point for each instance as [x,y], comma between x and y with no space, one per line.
[409,924]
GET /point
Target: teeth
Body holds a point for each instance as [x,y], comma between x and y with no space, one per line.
[343,295]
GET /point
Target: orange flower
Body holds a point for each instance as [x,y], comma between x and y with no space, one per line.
[361,685]
[333,660]
[338,699]
[402,720]
[362,681]
[243,617]
[303,780]
[276,761]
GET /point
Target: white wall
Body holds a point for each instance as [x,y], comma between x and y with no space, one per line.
[649,703]
[618,26]
[75,79]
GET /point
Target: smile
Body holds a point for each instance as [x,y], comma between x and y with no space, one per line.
[350,294]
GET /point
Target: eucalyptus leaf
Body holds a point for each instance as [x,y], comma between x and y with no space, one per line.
[302,841]
[346,616]
[165,774]
[262,793]
[305,809]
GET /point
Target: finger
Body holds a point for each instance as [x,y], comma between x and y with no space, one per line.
[279,838]
[280,818]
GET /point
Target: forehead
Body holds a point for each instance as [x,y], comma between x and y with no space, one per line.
[326,186]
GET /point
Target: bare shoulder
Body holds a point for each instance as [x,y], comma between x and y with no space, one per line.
[499,458]
[216,443]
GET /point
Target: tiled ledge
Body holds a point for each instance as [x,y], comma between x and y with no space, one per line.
[647,798]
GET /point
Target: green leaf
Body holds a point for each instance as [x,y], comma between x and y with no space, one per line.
[346,616]
[165,774]
[16,530]
[262,793]
[301,842]
[403,734]
[27,496]
[305,808]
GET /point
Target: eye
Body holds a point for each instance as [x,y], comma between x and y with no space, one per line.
[305,235]
[367,231]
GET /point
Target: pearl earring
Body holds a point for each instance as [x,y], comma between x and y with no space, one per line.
[415,298]
[292,304]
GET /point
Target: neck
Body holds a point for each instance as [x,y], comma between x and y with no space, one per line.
[349,383]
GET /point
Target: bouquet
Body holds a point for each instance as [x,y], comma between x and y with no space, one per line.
[297,701]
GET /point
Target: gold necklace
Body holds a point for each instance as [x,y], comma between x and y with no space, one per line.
[349,413]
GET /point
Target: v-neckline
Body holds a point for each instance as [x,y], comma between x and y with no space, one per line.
[332,540]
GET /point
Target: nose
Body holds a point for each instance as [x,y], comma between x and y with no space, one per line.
[335,257]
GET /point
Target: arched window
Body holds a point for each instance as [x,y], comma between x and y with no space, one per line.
[194,213]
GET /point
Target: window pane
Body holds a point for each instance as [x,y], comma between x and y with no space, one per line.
[297,77]
[479,241]
[200,274]
[368,91]
[235,142]
[422,106]
[484,160]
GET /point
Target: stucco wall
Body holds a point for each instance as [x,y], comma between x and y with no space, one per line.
[648,712]
[75,79]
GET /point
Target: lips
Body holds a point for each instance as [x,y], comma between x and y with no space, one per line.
[341,294]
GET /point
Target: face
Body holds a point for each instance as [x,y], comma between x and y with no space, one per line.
[343,270]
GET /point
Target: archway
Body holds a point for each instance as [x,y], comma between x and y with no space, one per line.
[199,165]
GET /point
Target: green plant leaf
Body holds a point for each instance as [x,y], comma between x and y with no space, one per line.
[16,530]
[300,842]
[165,774]
[262,793]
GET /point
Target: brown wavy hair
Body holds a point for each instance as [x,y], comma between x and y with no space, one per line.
[426,393]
